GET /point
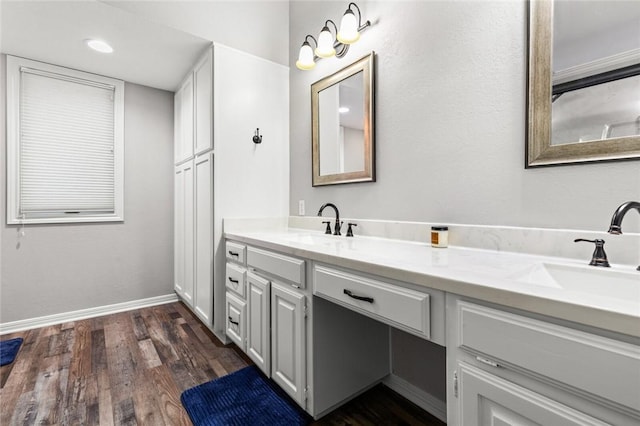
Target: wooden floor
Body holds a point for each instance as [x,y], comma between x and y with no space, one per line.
[130,369]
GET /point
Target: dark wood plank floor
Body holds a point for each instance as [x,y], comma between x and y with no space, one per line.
[130,369]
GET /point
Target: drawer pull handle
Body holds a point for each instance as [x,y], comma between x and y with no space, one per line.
[233,253]
[488,361]
[233,281]
[233,322]
[354,296]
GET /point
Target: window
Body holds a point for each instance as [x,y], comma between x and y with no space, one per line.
[65,145]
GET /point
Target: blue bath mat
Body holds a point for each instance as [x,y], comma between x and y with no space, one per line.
[9,350]
[245,397]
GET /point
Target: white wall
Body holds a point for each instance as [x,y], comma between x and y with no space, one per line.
[61,268]
[450,123]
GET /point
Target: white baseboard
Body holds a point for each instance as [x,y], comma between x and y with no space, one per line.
[416,395]
[45,321]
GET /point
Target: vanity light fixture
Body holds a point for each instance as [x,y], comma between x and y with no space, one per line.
[99,45]
[328,45]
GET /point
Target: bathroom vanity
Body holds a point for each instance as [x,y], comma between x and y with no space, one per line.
[529,339]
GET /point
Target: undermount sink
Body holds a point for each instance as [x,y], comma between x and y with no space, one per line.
[624,285]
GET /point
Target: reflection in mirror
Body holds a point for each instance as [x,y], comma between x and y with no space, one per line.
[341,113]
[592,98]
[584,81]
[342,125]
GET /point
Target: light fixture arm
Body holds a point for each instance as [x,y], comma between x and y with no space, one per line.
[312,38]
[335,27]
[361,26]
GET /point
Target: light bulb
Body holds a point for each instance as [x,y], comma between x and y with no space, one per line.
[325,44]
[305,57]
[348,33]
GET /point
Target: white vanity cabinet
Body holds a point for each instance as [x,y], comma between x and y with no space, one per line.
[266,313]
[512,368]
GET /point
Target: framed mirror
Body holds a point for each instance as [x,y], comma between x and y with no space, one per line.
[584,82]
[342,125]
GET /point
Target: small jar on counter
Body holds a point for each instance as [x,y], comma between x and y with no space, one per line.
[439,236]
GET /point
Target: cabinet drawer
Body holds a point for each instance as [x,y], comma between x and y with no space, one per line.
[235,322]
[236,252]
[601,366]
[392,304]
[282,266]
[235,279]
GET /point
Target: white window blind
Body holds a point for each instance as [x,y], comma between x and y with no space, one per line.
[66,149]
[67,152]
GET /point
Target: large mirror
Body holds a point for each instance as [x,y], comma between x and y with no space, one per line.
[584,81]
[342,122]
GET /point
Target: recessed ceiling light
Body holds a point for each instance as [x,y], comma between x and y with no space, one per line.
[343,110]
[99,45]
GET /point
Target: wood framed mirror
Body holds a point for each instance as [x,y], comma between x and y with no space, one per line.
[342,125]
[584,82]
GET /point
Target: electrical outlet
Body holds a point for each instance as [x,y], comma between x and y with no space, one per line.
[301,207]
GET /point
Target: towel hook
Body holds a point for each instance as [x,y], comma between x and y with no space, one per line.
[257,138]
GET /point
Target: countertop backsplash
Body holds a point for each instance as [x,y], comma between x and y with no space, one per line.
[621,249]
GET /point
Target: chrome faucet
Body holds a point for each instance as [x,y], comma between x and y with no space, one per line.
[338,225]
[616,220]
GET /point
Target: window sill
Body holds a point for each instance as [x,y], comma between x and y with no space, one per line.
[75,219]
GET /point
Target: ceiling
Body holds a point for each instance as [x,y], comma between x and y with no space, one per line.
[145,52]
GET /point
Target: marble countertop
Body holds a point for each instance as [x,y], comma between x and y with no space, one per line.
[497,277]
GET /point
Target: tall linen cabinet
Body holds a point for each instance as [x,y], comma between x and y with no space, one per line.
[228,97]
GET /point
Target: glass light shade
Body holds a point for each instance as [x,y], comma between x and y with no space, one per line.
[305,57]
[325,44]
[348,33]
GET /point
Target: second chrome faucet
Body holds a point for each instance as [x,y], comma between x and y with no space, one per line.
[338,224]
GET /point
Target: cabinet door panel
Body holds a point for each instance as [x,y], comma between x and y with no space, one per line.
[203,297]
[186,117]
[188,233]
[178,244]
[486,399]
[258,321]
[177,127]
[203,100]
[288,341]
